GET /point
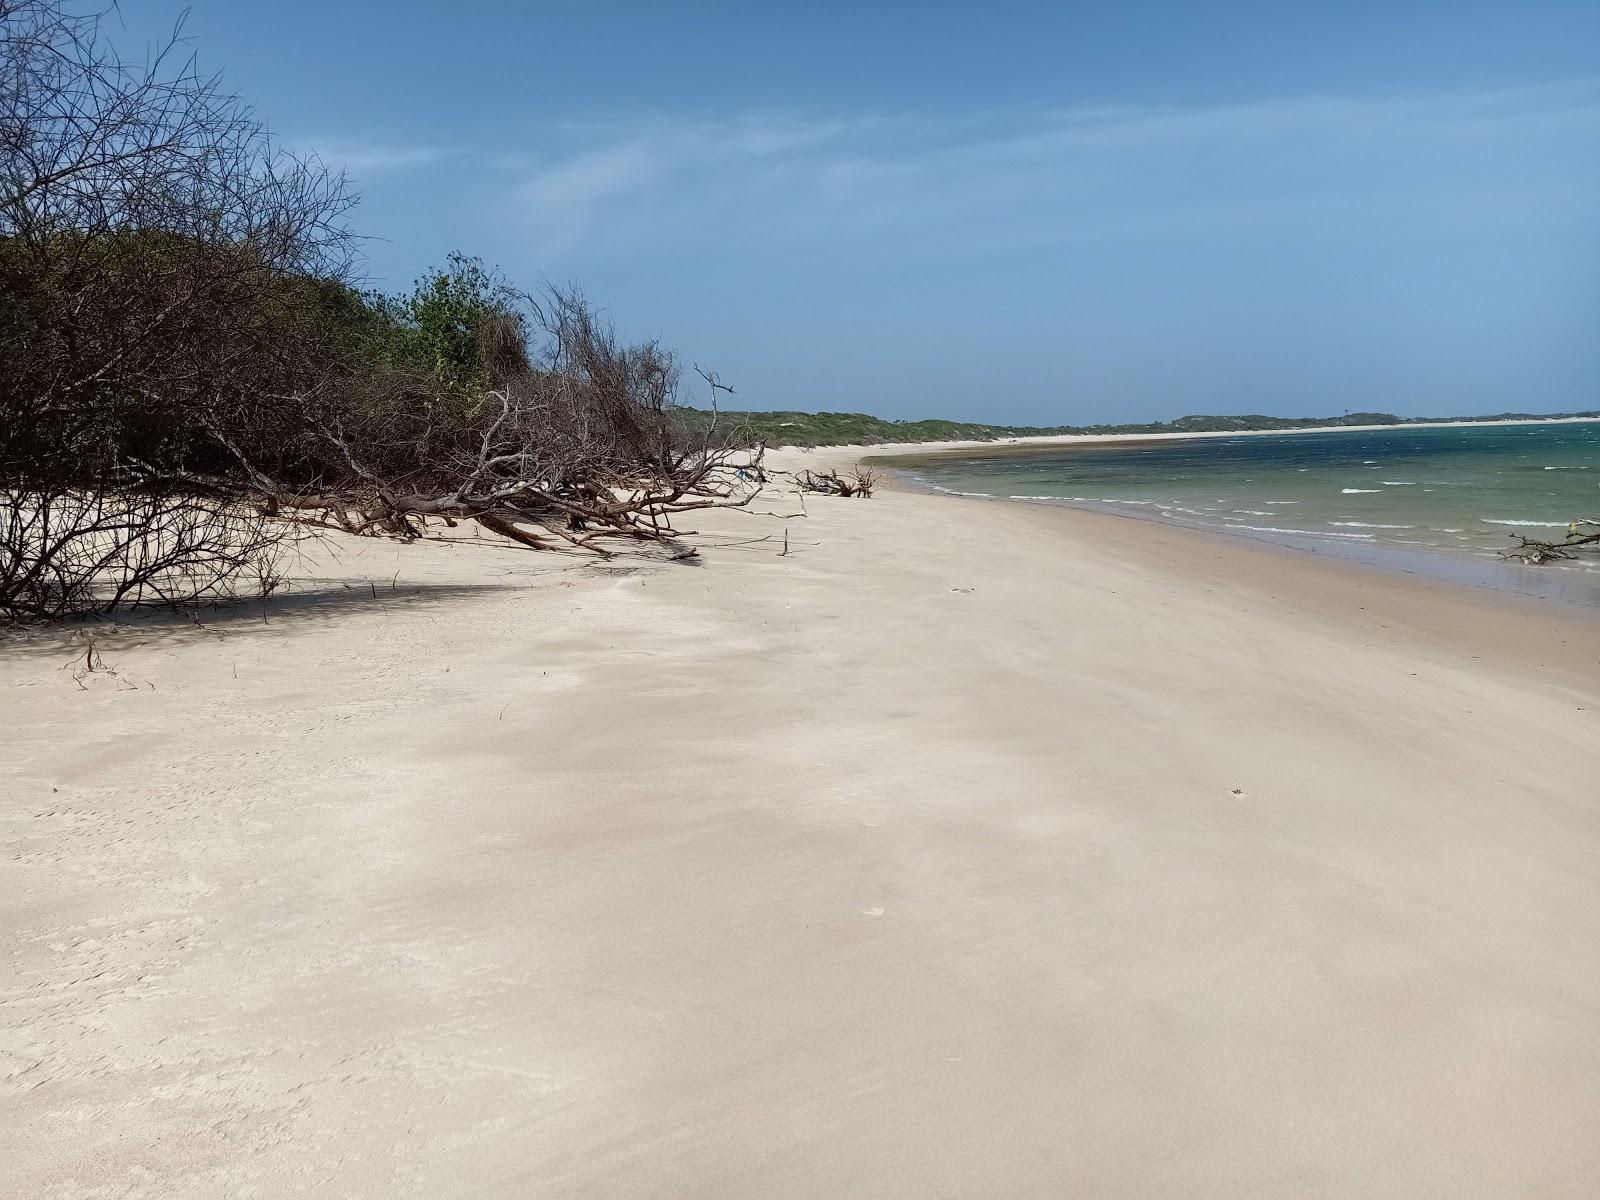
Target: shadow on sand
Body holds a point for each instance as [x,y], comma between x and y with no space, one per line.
[307,602]
[322,604]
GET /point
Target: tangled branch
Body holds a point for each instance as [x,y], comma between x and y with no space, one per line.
[187,377]
[857,482]
[1581,533]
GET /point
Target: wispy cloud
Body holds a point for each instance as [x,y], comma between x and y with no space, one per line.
[578,185]
[1010,179]
[368,158]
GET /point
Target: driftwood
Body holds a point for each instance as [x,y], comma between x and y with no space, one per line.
[858,482]
[1580,533]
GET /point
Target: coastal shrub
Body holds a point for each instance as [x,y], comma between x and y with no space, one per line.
[164,269]
[455,320]
[186,370]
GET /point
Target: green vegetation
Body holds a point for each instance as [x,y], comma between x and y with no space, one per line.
[445,324]
[188,375]
[845,429]
[189,379]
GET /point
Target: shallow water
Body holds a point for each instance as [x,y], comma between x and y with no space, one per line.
[1441,500]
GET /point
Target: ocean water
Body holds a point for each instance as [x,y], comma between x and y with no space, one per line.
[1383,495]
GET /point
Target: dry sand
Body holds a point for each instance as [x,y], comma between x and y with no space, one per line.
[969,850]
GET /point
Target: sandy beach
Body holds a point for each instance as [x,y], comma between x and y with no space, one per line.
[968,849]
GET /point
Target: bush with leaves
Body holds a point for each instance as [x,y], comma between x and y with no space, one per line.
[185,367]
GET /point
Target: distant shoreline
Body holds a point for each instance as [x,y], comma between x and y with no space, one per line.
[899,449]
[785,427]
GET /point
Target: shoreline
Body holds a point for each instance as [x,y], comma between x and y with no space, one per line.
[1068,439]
[1349,594]
[1553,583]
[1326,580]
[956,825]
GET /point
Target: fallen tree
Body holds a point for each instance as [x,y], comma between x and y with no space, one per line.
[187,378]
[569,441]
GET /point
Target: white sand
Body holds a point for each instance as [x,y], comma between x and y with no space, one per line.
[969,850]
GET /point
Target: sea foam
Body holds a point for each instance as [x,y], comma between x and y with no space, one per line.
[1365,537]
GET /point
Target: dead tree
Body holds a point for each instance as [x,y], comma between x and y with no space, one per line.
[186,379]
[154,249]
[568,442]
[78,550]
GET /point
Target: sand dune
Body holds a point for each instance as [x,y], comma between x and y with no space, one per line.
[968,850]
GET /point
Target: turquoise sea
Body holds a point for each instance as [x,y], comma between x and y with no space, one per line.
[1404,495]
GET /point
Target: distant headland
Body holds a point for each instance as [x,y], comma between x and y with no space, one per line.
[863,429]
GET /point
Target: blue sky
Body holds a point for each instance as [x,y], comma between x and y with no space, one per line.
[1012,212]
